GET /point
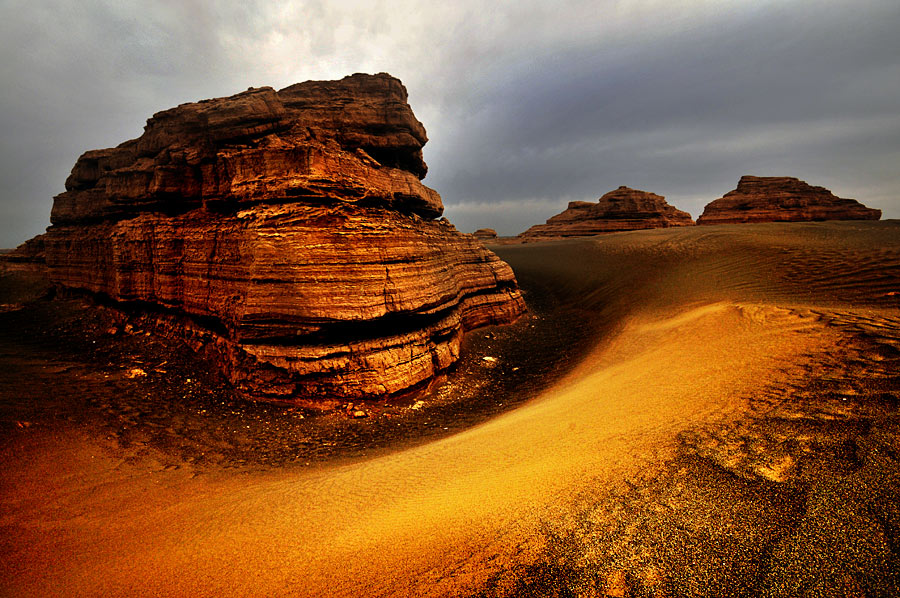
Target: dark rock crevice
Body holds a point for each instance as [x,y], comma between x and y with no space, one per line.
[261,229]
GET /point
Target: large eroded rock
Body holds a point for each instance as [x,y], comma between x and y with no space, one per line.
[286,235]
[620,210]
[782,199]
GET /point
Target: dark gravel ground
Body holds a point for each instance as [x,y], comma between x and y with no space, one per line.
[797,498]
[68,363]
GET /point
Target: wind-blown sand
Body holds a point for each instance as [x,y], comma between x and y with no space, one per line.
[733,430]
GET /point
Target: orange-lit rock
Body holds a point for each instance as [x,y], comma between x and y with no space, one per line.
[354,140]
[782,199]
[485,234]
[287,236]
[619,210]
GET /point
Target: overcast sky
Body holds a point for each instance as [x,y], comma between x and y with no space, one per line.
[528,105]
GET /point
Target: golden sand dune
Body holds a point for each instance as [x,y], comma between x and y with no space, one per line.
[733,431]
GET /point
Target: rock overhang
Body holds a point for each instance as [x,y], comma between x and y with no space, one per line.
[286,235]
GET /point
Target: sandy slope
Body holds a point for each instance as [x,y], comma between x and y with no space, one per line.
[706,321]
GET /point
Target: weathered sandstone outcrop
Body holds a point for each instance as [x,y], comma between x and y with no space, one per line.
[30,257]
[619,210]
[485,233]
[286,235]
[782,199]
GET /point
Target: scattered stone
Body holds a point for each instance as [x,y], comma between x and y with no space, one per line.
[616,584]
[778,470]
[359,413]
[654,582]
[135,373]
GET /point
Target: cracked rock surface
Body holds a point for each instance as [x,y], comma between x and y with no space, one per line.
[285,235]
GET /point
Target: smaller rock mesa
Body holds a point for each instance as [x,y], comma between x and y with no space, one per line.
[28,257]
[620,210]
[485,234]
[782,199]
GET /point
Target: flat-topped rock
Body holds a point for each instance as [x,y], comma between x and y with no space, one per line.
[30,256]
[287,236]
[623,209]
[782,199]
[353,140]
[485,234]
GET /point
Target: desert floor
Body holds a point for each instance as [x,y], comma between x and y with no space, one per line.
[704,411]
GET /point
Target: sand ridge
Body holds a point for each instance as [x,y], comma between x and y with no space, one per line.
[697,323]
[359,526]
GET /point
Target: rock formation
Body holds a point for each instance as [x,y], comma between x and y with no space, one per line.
[30,257]
[782,199]
[620,210]
[286,235]
[485,234]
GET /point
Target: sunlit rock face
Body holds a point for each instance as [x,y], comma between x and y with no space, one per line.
[287,236]
[782,199]
[622,209]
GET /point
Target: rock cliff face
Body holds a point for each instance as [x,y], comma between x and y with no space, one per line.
[619,210]
[782,199]
[287,236]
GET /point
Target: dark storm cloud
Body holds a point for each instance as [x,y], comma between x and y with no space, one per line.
[83,75]
[527,106]
[780,92]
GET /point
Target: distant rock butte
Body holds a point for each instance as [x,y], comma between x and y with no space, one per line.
[485,233]
[620,210]
[29,257]
[782,199]
[287,236]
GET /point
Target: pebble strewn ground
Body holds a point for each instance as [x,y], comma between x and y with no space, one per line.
[793,493]
[797,498]
[90,367]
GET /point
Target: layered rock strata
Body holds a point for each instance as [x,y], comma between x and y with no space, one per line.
[30,257]
[285,234]
[782,199]
[623,209]
[485,234]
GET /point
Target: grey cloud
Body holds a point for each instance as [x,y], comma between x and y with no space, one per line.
[685,116]
[527,107]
